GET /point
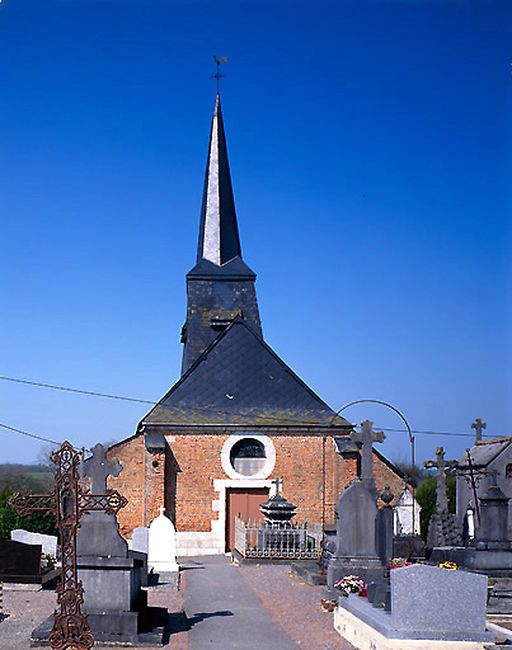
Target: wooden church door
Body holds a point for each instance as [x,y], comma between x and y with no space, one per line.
[244,502]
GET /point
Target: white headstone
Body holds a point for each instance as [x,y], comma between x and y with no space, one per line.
[403,514]
[140,539]
[48,542]
[162,544]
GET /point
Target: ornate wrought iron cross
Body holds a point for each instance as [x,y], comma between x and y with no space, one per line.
[70,627]
[441,465]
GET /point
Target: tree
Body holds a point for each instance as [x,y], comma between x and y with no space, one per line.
[36,522]
[426,497]
[414,474]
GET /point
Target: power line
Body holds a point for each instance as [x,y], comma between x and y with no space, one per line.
[30,435]
[76,390]
[430,433]
[93,393]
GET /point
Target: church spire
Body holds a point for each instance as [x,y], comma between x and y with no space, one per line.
[220,287]
[218,233]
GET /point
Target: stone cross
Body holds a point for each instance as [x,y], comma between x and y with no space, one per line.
[441,465]
[98,469]
[478,425]
[70,629]
[279,484]
[367,436]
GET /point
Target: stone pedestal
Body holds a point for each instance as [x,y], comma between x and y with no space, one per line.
[444,530]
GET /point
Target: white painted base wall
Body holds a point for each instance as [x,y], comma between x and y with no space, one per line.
[189,544]
[364,637]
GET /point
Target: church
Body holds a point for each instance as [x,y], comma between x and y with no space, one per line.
[238,417]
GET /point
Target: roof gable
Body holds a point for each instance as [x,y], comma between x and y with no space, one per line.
[239,379]
[486,451]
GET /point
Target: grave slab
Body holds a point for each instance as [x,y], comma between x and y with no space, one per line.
[427,608]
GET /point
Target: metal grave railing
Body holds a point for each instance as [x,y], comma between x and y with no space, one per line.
[275,541]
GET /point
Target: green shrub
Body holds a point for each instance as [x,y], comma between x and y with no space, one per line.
[426,497]
[37,522]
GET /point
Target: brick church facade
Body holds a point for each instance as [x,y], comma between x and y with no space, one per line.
[238,417]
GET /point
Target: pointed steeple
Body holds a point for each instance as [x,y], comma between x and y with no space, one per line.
[220,287]
[218,233]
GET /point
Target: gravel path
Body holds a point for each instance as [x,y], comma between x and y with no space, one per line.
[25,609]
[223,611]
[295,606]
[257,595]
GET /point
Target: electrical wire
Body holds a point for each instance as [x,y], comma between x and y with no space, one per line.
[205,407]
[28,434]
[76,390]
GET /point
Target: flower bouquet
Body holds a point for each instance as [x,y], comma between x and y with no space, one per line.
[47,561]
[399,562]
[351,585]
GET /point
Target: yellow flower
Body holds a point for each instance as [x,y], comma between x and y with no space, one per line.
[448,565]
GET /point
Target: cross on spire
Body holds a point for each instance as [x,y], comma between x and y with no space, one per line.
[367,436]
[219,60]
[478,425]
[441,465]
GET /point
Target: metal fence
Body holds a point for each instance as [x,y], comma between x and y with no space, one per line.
[273,541]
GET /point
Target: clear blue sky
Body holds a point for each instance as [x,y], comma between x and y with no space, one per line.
[369,144]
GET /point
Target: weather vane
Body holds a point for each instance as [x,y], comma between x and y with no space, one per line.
[218,76]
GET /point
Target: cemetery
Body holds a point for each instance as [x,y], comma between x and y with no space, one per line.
[452,593]
[237,507]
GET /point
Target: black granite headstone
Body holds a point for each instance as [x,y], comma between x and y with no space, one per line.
[18,559]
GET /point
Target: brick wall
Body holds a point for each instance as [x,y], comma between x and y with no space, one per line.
[308,465]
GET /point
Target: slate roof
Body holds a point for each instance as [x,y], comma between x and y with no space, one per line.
[485,451]
[239,379]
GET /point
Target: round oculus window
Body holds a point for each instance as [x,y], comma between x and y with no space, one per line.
[247,456]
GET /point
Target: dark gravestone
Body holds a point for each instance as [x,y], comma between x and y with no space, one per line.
[21,563]
[493,530]
[19,560]
[384,527]
[356,551]
[112,575]
[99,532]
[356,544]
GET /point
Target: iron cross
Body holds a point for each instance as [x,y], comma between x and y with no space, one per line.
[441,465]
[70,628]
[367,436]
[478,425]
[219,60]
